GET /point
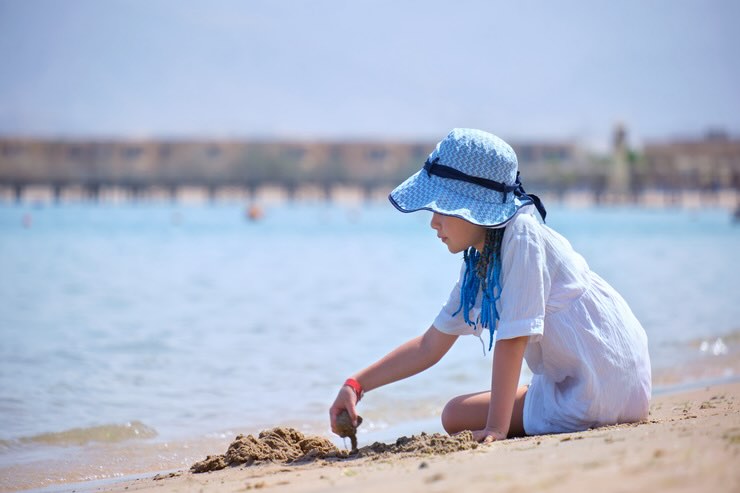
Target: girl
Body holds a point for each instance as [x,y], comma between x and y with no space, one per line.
[525,284]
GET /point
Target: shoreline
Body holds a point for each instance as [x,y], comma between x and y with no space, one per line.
[104,464]
[680,416]
[96,465]
[690,442]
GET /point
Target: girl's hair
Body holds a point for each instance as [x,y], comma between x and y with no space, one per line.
[483,274]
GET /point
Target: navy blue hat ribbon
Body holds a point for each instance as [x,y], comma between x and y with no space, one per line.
[434,168]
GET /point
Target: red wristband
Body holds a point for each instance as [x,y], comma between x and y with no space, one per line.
[355,385]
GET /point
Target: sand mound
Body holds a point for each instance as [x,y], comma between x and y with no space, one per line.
[288,445]
[424,444]
[275,445]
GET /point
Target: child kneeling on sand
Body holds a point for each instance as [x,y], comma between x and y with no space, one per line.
[538,298]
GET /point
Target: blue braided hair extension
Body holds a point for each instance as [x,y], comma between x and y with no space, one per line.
[483,274]
[470,284]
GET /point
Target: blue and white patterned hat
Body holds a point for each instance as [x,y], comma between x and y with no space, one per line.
[471,174]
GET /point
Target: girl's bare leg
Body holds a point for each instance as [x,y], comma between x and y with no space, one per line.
[470,412]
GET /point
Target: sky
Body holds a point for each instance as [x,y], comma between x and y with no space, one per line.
[386,69]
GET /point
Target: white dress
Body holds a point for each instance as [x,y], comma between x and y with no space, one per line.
[587,351]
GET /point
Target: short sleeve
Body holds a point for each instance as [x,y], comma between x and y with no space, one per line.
[454,324]
[525,281]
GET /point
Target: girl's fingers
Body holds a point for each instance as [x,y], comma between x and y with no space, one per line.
[484,436]
[353,416]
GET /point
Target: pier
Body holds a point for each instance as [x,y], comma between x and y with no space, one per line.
[699,173]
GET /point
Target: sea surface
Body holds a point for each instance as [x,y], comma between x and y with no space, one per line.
[142,337]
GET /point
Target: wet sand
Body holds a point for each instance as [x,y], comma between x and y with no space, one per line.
[691,442]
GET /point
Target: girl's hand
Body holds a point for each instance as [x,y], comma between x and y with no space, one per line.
[488,436]
[346,399]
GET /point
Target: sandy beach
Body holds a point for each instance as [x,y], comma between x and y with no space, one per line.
[690,443]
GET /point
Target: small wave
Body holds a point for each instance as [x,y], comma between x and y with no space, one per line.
[711,359]
[719,344]
[134,430]
[715,348]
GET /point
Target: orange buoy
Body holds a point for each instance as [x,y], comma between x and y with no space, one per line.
[255,213]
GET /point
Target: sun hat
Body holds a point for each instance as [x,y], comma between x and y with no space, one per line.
[471,174]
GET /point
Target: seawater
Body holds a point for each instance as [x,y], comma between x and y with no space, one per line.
[159,323]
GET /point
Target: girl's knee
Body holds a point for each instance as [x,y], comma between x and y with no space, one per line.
[450,419]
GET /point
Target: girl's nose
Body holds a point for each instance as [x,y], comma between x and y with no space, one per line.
[435,221]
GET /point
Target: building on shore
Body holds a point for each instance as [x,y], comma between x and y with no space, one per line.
[710,163]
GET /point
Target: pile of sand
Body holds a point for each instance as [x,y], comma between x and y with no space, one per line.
[424,444]
[275,445]
[287,445]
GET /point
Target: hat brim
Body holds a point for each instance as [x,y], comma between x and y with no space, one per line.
[424,192]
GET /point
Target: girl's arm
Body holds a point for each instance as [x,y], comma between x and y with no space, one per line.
[507,366]
[410,358]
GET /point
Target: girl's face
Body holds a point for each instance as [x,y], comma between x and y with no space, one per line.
[458,234]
